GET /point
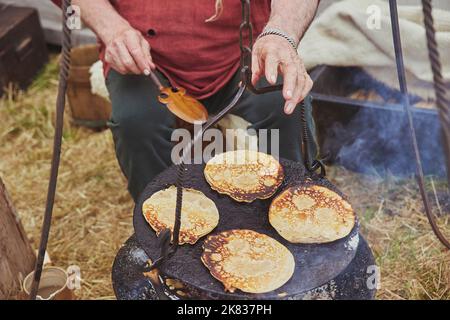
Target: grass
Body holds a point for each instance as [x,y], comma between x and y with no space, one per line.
[414,265]
[93,211]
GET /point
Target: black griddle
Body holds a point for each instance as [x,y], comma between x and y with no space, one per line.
[315,264]
[129,283]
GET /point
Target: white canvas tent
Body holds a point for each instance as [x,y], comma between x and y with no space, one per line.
[51,17]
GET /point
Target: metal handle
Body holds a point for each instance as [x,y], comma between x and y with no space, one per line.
[60,103]
[407,107]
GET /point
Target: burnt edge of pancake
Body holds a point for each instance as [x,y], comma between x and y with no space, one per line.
[213,253]
[337,204]
[211,248]
[264,192]
[185,237]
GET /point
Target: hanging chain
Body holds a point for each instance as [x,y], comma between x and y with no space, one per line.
[246,31]
[246,45]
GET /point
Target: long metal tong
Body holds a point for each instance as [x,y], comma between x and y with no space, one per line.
[441,100]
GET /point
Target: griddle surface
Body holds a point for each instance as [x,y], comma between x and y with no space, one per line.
[315,264]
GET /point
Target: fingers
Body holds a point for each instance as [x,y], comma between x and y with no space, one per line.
[140,54]
[130,53]
[256,69]
[303,87]
[273,54]
[290,74]
[126,58]
[134,46]
[308,84]
[146,49]
[112,58]
[271,68]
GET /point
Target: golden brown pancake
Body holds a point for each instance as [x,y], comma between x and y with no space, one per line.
[244,175]
[247,260]
[199,214]
[311,214]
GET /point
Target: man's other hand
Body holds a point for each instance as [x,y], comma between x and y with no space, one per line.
[127,51]
[273,54]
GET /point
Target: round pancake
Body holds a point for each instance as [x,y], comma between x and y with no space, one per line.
[244,175]
[311,214]
[199,214]
[247,260]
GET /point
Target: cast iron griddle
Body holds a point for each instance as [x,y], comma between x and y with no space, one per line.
[130,284]
[315,264]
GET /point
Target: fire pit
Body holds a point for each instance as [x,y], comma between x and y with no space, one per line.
[371,135]
[316,264]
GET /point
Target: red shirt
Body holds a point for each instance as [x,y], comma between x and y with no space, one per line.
[198,56]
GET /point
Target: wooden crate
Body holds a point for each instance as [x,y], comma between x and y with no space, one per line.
[51,21]
[23,51]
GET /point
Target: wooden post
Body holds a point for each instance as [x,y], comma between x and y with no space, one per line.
[16,255]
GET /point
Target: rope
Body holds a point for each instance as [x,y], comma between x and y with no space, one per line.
[433,52]
[442,102]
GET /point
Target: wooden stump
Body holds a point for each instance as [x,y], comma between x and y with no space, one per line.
[16,255]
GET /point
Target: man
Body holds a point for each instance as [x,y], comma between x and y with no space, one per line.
[195,45]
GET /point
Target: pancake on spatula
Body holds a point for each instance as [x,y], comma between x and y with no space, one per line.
[311,214]
[247,260]
[244,175]
[199,214]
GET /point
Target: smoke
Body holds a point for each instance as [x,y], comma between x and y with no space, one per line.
[376,139]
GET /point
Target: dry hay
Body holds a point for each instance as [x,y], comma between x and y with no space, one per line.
[413,263]
[93,209]
[92,214]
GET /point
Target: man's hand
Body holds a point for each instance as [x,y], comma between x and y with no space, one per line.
[273,54]
[127,51]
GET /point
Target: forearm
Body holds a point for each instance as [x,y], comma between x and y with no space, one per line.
[292,16]
[102,18]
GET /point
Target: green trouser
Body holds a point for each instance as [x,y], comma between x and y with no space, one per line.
[142,127]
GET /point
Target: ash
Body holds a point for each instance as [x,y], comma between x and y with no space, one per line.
[138,255]
[352,243]
[325,292]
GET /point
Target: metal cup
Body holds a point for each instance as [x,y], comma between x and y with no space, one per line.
[53,285]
